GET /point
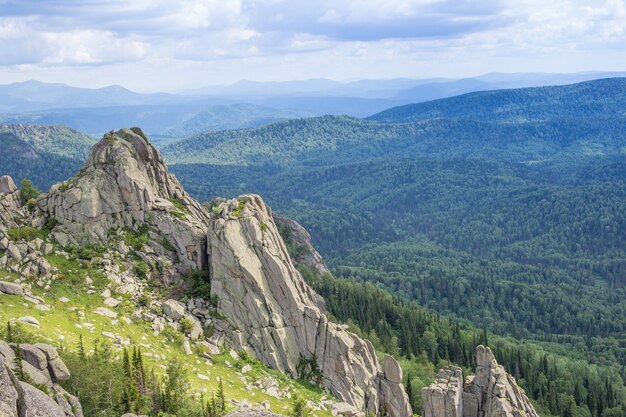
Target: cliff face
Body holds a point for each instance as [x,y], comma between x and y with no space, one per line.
[266,306]
[41,365]
[274,312]
[491,392]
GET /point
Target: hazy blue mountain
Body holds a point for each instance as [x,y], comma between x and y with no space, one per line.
[35,95]
[231,116]
[605,98]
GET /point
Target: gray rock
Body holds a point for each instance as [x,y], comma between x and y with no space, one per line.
[392,370]
[34,356]
[8,393]
[7,185]
[105,312]
[112,302]
[490,393]
[58,370]
[173,309]
[40,404]
[275,313]
[11,288]
[31,321]
[14,252]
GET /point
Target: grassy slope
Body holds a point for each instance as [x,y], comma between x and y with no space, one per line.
[62,327]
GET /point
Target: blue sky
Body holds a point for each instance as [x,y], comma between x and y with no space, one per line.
[166,45]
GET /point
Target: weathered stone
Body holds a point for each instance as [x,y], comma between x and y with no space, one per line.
[112,302]
[58,370]
[392,370]
[173,309]
[11,288]
[39,404]
[31,321]
[7,185]
[8,393]
[124,183]
[275,313]
[490,393]
[105,312]
[34,356]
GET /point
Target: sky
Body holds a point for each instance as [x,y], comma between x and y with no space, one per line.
[171,45]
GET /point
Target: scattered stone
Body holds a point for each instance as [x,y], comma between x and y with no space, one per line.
[11,288]
[112,302]
[173,309]
[106,293]
[64,300]
[31,321]
[246,368]
[108,334]
[187,347]
[105,312]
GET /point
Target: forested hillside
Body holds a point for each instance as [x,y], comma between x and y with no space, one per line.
[44,154]
[604,98]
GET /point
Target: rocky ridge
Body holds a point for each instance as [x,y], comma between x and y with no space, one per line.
[44,369]
[491,392]
[258,300]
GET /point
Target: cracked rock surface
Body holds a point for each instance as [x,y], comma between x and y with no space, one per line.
[491,392]
[273,312]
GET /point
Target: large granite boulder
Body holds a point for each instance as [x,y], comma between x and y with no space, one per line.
[124,184]
[272,311]
[44,367]
[491,392]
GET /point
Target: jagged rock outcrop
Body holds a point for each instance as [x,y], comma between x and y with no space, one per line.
[274,312]
[491,392]
[124,184]
[42,366]
[301,239]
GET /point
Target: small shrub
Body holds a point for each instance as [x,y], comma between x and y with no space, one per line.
[185,325]
[299,408]
[200,285]
[236,213]
[23,233]
[143,300]
[28,191]
[141,269]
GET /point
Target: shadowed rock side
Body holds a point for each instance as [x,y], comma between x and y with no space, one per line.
[125,183]
[43,367]
[274,312]
[491,392]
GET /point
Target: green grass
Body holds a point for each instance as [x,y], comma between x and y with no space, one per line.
[25,233]
[236,213]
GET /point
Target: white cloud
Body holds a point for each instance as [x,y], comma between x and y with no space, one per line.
[270,39]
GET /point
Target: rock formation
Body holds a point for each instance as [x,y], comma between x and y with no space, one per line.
[307,254]
[271,310]
[491,392]
[123,184]
[42,367]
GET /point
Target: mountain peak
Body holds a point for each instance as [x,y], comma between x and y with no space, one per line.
[123,185]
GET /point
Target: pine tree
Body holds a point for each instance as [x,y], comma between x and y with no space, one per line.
[19,367]
[409,389]
[81,348]
[221,400]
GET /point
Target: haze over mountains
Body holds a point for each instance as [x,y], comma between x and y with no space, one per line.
[95,111]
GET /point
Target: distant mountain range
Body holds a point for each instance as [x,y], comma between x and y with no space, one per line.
[96,111]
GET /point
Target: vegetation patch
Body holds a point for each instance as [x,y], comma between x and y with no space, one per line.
[236,213]
[25,233]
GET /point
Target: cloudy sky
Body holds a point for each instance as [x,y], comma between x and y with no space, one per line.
[166,45]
